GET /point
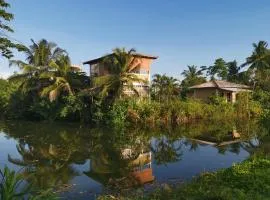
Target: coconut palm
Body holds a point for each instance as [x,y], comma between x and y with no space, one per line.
[165,87]
[63,78]
[192,72]
[38,57]
[260,57]
[259,65]
[218,70]
[120,65]
[192,76]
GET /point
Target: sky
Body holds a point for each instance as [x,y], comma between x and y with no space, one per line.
[179,32]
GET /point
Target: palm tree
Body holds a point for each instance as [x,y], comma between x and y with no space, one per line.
[63,78]
[259,63]
[120,65]
[260,56]
[191,72]
[219,69]
[165,87]
[38,57]
[192,76]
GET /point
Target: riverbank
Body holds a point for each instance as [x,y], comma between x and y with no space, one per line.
[246,180]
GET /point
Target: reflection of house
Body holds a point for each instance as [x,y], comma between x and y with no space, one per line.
[135,171]
[231,138]
[223,88]
[141,167]
[140,67]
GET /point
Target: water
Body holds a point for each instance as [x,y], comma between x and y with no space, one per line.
[82,162]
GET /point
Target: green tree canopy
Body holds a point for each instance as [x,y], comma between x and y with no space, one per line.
[6,45]
[165,87]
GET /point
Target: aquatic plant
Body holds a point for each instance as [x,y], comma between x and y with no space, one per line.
[14,187]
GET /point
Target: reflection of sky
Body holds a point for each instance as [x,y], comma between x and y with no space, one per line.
[83,186]
[204,158]
[7,146]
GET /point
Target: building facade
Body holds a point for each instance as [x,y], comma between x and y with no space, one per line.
[141,66]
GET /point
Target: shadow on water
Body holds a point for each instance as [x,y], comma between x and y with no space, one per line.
[48,154]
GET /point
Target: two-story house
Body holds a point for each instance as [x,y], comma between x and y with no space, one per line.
[141,67]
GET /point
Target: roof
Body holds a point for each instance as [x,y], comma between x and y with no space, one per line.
[96,60]
[225,85]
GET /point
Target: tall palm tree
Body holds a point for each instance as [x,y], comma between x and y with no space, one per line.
[259,64]
[120,65]
[260,56]
[38,57]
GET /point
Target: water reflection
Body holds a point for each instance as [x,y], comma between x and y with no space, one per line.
[126,169]
[121,159]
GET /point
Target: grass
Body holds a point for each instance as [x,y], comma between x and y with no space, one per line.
[247,180]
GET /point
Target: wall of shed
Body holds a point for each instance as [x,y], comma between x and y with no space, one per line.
[204,93]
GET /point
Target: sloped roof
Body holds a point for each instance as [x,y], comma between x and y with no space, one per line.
[96,60]
[221,85]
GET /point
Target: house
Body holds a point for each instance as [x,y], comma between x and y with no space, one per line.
[141,67]
[223,88]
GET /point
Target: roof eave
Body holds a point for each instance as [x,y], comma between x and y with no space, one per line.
[94,61]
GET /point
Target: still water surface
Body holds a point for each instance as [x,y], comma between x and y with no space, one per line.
[82,162]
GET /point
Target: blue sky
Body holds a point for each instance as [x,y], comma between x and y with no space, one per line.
[181,33]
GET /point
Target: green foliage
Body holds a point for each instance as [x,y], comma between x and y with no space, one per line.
[6,91]
[164,88]
[152,113]
[192,77]
[246,106]
[6,45]
[13,187]
[10,184]
[75,108]
[217,100]
[219,69]
[121,77]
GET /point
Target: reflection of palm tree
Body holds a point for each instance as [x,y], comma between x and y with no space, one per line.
[193,145]
[166,151]
[41,168]
[235,148]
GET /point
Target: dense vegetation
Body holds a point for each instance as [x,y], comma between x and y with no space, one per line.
[48,87]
